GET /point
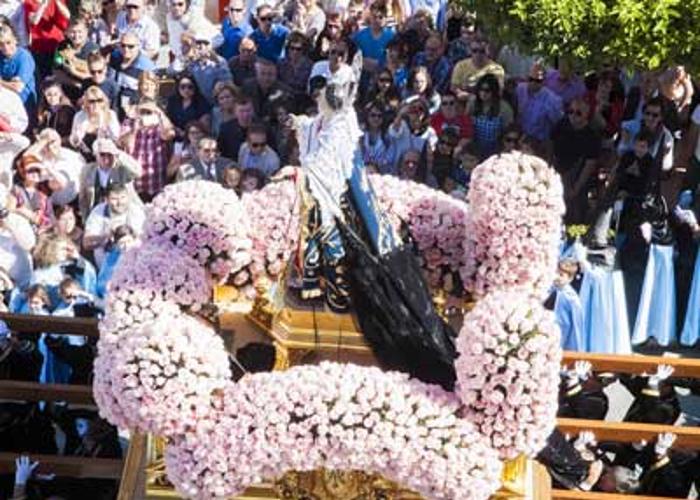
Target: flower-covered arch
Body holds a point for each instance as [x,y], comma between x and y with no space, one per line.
[160,368]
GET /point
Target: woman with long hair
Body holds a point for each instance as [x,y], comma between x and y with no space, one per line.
[185,150]
[55,109]
[376,145]
[96,119]
[384,90]
[225,94]
[421,85]
[187,104]
[490,114]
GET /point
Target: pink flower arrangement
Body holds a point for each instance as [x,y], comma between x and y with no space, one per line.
[435,221]
[512,236]
[336,416]
[149,276]
[273,212]
[207,222]
[508,371]
[161,375]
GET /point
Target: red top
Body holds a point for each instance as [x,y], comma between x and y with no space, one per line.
[461,121]
[48,32]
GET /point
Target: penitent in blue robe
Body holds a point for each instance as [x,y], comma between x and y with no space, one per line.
[569,316]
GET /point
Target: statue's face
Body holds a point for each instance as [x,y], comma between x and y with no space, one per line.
[334,95]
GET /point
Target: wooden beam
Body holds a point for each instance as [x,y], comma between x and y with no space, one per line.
[590,495]
[133,469]
[77,467]
[31,323]
[34,391]
[630,432]
[683,367]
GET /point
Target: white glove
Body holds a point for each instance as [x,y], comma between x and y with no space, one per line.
[645,228]
[618,206]
[584,439]
[637,472]
[662,373]
[582,370]
[664,443]
[24,468]
[685,216]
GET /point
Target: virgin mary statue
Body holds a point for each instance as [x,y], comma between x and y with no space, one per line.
[352,254]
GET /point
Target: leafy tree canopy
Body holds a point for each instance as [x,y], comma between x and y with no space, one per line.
[639,34]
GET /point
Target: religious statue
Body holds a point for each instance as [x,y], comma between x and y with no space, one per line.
[351,252]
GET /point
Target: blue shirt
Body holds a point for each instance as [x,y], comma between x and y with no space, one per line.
[373,48]
[272,46]
[20,65]
[232,37]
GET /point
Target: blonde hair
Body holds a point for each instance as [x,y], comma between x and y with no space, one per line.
[95,92]
[146,77]
[46,252]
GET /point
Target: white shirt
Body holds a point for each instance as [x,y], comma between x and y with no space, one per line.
[102,223]
[145,28]
[12,109]
[69,165]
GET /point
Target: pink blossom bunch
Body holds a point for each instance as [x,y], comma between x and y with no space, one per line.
[273,212]
[148,276]
[161,376]
[514,226]
[508,371]
[336,416]
[206,221]
[435,220]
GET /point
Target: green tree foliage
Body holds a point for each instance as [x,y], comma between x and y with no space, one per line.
[635,33]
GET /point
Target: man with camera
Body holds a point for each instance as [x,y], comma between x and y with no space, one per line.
[117,210]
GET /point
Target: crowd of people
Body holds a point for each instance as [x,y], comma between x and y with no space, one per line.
[103,104]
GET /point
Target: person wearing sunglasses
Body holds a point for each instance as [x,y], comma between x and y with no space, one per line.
[306,17]
[102,77]
[433,58]
[467,72]
[234,28]
[294,69]
[270,36]
[256,154]
[181,18]
[134,19]
[661,147]
[539,109]
[576,147]
[187,104]
[373,40]
[208,165]
[127,65]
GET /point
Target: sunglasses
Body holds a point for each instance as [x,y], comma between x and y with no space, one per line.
[178,4]
[338,53]
[97,71]
[95,101]
[128,46]
[510,139]
[186,86]
[231,9]
[257,145]
[375,115]
[201,42]
[296,48]
[478,50]
[33,171]
[133,7]
[209,150]
[652,115]
[265,19]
